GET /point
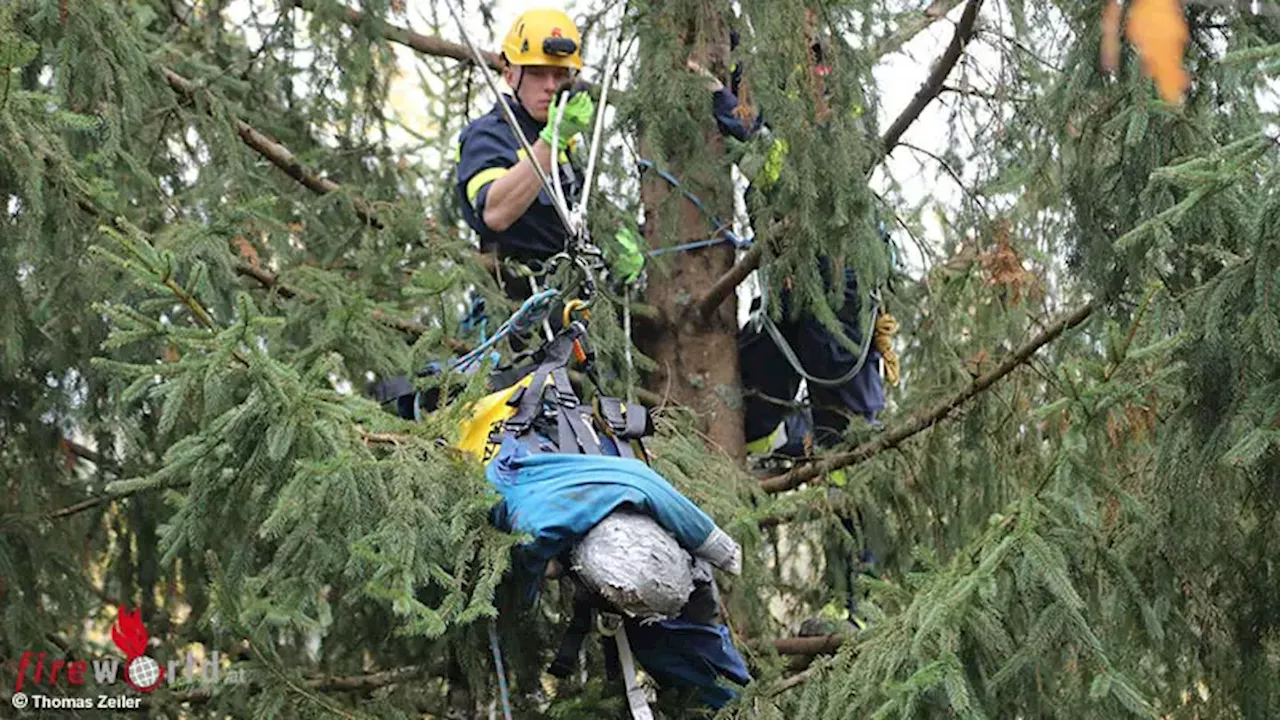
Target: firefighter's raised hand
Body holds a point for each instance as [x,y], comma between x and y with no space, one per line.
[578,113]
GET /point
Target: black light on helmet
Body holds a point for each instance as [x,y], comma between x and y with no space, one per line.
[559,46]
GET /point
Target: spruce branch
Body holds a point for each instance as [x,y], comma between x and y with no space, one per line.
[305,691]
[799,678]
[412,328]
[1133,331]
[933,84]
[278,154]
[80,507]
[349,683]
[922,421]
[946,166]
[912,24]
[815,645]
[426,44]
[724,287]
[85,453]
[432,45]
[271,281]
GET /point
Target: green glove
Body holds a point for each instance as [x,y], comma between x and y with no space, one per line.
[577,118]
[630,259]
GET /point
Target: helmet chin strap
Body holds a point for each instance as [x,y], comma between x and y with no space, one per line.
[517,88]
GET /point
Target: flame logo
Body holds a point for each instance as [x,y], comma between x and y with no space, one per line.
[129,634]
[141,672]
[555,32]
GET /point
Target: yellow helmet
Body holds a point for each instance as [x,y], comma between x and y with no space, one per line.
[543,37]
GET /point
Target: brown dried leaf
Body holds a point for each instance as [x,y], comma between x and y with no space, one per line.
[247,250]
[1111,12]
[1004,267]
[1158,29]
[976,362]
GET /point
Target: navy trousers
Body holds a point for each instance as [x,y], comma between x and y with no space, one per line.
[766,371]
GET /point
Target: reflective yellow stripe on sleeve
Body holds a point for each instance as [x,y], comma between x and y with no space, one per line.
[480,179]
[564,157]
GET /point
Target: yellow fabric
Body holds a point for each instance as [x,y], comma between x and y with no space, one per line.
[480,179]
[564,157]
[763,445]
[773,163]
[523,44]
[487,415]
[886,328]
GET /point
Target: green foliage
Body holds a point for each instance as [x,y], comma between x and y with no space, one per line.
[189,335]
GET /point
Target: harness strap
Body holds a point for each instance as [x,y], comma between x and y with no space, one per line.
[635,694]
[570,417]
[639,422]
[573,432]
[529,399]
[609,412]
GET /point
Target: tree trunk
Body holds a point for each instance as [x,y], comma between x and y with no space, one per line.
[697,359]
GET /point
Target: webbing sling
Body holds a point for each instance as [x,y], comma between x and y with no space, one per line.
[636,699]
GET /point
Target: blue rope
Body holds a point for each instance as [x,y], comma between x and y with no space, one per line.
[502,675]
[526,317]
[722,231]
[726,236]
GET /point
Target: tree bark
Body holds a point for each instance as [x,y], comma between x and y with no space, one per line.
[697,356]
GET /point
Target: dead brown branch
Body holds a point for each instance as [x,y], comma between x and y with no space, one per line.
[425,44]
[933,84]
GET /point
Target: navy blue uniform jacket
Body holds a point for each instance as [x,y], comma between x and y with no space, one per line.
[487,150]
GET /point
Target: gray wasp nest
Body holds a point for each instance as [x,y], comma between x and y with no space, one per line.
[637,566]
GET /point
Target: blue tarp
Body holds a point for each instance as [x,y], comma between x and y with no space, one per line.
[557,498]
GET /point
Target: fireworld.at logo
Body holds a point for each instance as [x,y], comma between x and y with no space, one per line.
[141,671]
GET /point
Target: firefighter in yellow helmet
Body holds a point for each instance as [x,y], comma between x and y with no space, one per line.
[499,192]
[542,48]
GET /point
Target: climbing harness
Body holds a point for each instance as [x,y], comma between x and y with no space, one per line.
[542,413]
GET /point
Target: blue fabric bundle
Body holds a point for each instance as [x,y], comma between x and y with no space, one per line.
[557,499]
